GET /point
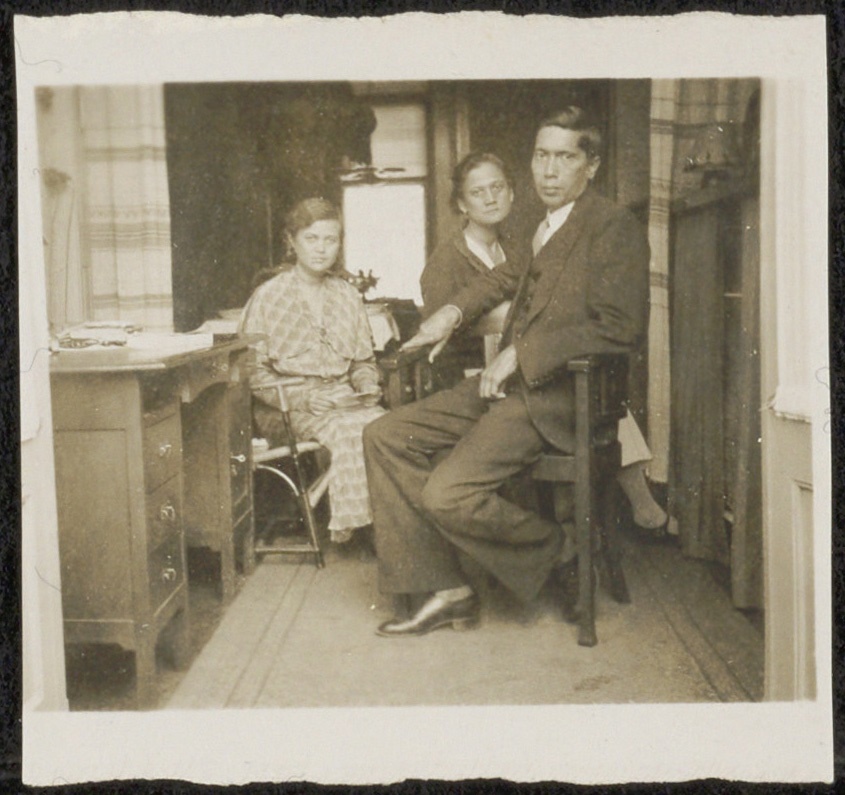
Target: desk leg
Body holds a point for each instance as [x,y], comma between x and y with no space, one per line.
[145,668]
[249,549]
[180,647]
[227,567]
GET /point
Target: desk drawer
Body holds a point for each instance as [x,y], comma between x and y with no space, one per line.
[162,451]
[166,571]
[164,513]
[239,474]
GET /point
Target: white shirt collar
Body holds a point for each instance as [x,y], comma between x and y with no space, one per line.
[556,219]
[476,248]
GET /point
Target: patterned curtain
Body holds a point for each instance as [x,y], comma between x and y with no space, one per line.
[127,208]
[702,403]
[679,110]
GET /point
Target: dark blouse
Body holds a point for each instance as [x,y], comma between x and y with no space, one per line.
[451,267]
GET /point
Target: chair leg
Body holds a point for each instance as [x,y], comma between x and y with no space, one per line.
[584,520]
[311,524]
[615,582]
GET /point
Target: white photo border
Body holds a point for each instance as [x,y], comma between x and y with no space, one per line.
[583,744]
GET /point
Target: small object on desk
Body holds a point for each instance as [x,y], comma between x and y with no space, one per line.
[105,333]
[231,314]
[124,325]
[218,325]
[69,342]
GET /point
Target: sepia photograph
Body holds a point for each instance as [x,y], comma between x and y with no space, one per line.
[375,400]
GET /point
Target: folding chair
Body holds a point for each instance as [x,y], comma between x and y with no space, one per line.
[271,460]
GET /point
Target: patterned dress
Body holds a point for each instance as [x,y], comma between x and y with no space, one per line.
[333,354]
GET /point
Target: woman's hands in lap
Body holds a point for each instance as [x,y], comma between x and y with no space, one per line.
[319,403]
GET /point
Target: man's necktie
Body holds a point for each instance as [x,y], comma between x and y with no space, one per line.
[526,293]
[539,236]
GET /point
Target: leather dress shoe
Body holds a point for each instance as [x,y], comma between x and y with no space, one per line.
[435,613]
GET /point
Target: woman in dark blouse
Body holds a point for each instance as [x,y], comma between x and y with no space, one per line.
[482,193]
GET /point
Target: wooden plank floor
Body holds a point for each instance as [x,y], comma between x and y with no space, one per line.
[299,637]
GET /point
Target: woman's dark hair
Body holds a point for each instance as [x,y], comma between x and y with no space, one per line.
[469,163]
[308,212]
[578,120]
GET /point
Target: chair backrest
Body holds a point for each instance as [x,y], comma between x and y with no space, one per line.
[601,393]
[490,328]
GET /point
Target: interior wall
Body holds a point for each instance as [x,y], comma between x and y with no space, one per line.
[239,156]
[630,121]
[503,119]
[795,391]
[61,168]
[631,118]
[41,614]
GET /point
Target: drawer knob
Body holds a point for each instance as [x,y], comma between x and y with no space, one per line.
[167,512]
[165,450]
[241,459]
[168,575]
[409,390]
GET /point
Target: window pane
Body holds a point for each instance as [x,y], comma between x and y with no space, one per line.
[399,140]
[385,233]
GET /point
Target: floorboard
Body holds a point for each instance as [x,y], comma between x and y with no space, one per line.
[727,644]
[296,636]
[320,649]
[217,670]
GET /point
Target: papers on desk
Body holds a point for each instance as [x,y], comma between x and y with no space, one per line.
[97,334]
[93,336]
[170,343]
[219,325]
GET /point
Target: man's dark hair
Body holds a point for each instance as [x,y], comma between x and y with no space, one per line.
[578,120]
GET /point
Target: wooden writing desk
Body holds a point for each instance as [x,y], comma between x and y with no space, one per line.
[153,450]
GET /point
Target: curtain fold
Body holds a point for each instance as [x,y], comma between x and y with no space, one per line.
[127,209]
[701,431]
[664,100]
[68,294]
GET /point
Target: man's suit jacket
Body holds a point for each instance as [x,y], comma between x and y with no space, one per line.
[591,297]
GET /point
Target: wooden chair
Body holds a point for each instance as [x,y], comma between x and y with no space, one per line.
[590,472]
[600,393]
[407,376]
[306,493]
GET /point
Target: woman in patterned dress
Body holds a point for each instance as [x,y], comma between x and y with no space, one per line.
[313,327]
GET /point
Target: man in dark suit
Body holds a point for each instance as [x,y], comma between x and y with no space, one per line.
[435,467]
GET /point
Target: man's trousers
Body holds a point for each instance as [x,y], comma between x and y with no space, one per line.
[435,468]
